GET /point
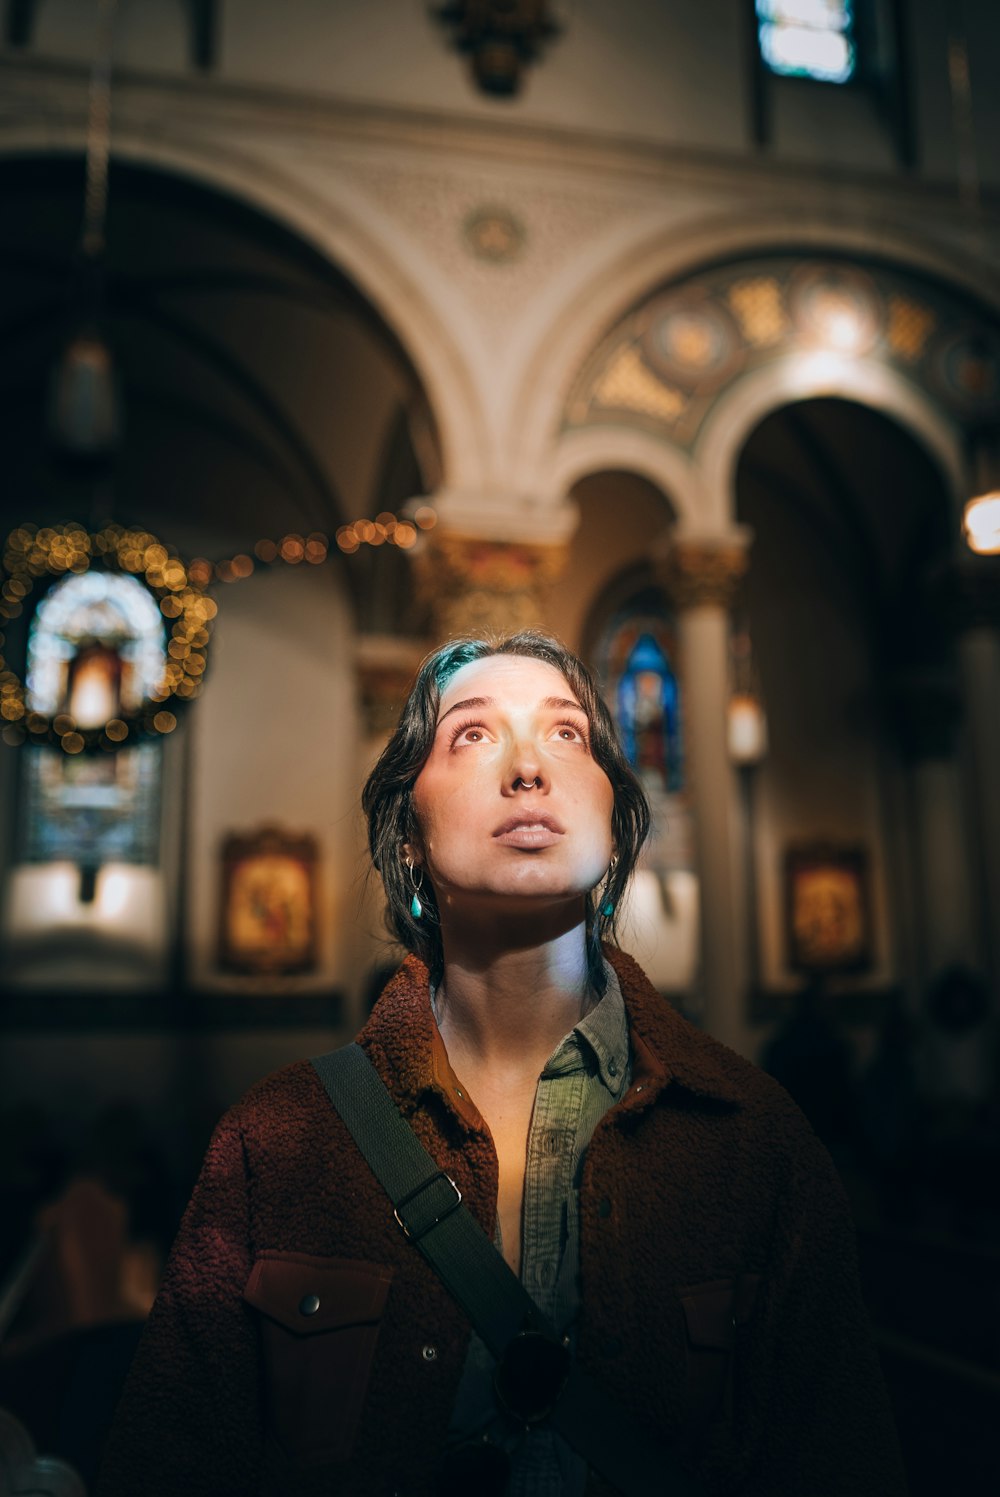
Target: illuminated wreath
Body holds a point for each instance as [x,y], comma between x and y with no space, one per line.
[60,551]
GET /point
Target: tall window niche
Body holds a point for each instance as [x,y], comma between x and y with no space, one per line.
[636,656]
[84,904]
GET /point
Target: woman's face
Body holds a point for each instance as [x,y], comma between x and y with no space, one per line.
[510,804]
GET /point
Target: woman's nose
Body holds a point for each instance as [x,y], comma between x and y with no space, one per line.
[524,770]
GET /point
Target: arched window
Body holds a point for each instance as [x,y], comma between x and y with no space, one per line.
[636,667]
[96,649]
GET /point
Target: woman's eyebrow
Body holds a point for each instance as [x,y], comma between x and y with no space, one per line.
[548,703]
[469,702]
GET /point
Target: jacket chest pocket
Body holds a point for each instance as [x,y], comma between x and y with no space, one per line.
[712,1313]
[319,1322]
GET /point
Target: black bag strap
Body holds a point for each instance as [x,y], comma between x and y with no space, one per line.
[428,1207]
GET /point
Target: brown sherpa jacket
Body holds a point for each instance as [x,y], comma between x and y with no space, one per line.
[719,1288]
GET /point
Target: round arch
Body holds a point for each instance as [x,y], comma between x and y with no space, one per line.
[802,377]
[579,454]
[360,248]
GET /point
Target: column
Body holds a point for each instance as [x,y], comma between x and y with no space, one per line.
[702,576]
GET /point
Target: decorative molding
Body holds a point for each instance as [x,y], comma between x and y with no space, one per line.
[58,89]
[472,585]
[705,573]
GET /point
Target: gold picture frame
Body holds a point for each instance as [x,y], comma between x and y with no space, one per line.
[828,909]
[267,924]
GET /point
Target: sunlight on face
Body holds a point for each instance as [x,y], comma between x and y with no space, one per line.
[510,803]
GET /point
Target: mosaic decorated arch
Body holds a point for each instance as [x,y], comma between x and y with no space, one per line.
[668,362]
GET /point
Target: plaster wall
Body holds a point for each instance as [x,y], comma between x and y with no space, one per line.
[274,742]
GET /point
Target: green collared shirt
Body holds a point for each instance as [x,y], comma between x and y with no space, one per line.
[583,1077]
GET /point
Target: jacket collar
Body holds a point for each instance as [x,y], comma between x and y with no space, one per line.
[402,1039]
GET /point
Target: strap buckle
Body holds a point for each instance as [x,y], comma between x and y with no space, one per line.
[415,1229]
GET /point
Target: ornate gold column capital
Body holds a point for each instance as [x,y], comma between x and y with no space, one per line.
[472,585]
[705,571]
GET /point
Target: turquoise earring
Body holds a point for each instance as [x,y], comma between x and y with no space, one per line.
[416,908]
[607,906]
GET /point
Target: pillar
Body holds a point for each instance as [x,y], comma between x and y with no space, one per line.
[702,576]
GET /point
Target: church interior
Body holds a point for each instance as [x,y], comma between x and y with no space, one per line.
[330,331]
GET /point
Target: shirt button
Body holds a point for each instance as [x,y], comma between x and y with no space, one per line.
[612,1067]
[309,1304]
[429,1353]
[604,1207]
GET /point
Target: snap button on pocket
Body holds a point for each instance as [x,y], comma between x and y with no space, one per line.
[429,1353]
[309,1304]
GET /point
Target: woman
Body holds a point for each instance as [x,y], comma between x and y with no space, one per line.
[663,1202]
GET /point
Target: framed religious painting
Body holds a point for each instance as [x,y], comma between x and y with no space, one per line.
[268,904]
[828,909]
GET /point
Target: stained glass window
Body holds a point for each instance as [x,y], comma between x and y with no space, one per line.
[96,647]
[95,612]
[90,810]
[808,38]
[644,696]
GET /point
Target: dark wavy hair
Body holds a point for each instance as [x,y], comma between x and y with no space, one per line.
[387,798]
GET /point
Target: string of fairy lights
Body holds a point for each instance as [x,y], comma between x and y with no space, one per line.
[32,555]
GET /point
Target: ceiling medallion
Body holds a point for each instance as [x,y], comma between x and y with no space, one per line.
[493,234]
[499,37]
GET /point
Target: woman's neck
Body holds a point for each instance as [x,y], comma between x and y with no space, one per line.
[505,1008]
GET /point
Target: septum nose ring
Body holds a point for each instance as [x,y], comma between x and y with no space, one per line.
[522,781]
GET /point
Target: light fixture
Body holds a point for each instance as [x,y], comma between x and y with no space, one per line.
[746,720]
[84,406]
[981,516]
[981,524]
[746,726]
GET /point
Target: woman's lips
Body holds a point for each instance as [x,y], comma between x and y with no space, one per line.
[529,832]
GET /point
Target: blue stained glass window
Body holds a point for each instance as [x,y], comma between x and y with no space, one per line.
[808,38]
[648,713]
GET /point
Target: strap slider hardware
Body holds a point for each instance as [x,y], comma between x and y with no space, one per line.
[415,1229]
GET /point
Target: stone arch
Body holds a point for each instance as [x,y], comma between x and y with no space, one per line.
[359,245]
[581,453]
[802,377]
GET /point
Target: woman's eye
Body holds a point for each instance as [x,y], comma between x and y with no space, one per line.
[570,734]
[467,733]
